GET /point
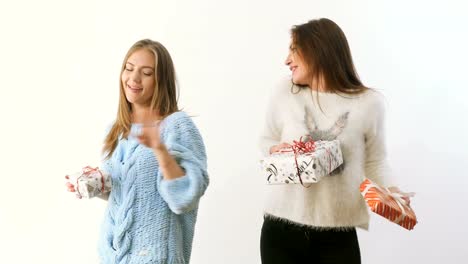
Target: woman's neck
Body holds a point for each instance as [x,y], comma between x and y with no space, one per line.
[144,114]
[319,86]
[319,89]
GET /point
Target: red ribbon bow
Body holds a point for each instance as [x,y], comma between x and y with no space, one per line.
[301,147]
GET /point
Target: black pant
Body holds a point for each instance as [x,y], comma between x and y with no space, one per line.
[285,243]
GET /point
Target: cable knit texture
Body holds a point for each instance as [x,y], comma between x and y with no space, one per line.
[150,219]
[357,121]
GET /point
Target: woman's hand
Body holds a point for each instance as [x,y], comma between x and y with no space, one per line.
[405,197]
[149,136]
[278,148]
[70,186]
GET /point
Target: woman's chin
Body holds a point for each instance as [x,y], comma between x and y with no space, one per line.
[299,83]
[132,99]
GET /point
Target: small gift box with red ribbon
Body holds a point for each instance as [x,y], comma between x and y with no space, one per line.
[388,204]
[305,162]
[90,182]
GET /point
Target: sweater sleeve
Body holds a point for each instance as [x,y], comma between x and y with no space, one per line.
[271,132]
[376,164]
[185,144]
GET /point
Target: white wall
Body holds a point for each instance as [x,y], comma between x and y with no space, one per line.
[59,81]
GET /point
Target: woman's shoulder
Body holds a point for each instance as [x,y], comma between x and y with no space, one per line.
[373,99]
[286,93]
[178,122]
[178,117]
[282,86]
[371,104]
[179,128]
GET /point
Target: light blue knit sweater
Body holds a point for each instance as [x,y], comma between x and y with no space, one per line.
[150,219]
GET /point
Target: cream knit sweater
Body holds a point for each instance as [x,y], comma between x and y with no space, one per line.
[357,121]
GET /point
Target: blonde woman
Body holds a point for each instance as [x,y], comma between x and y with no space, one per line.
[156,158]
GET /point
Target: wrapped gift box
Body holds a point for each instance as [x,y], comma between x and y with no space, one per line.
[387,204]
[90,182]
[288,167]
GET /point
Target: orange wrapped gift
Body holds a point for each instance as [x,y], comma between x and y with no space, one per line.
[387,204]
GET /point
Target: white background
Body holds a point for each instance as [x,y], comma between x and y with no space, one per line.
[59,69]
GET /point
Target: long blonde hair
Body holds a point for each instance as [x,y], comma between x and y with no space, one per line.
[164,99]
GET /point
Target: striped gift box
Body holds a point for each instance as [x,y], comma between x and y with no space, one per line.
[387,204]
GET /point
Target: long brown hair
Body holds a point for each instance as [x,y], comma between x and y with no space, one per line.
[324,48]
[164,99]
